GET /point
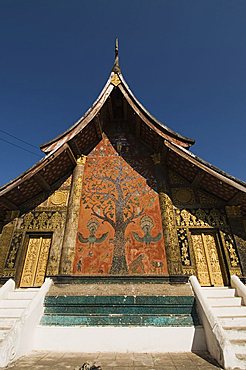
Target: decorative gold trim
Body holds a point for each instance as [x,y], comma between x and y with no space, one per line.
[183,196]
[59,198]
[184,247]
[115,80]
[205,218]
[170,234]
[81,160]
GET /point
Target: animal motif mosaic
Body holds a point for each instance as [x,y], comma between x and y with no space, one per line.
[120,230]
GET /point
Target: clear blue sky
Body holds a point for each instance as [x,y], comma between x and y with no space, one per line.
[185,60]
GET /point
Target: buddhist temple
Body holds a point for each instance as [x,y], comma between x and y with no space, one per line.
[120,201]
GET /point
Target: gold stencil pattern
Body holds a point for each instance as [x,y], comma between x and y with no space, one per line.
[184,247]
[14,247]
[171,237]
[183,196]
[200,217]
[234,260]
[59,198]
[49,220]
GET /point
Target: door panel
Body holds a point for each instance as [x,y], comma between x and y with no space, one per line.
[205,246]
[35,262]
[42,264]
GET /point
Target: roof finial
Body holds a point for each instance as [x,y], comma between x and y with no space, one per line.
[116,67]
[116,47]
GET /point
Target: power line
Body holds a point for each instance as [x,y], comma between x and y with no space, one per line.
[20,147]
[15,137]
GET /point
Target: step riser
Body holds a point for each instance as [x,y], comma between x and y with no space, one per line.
[225,302]
[158,321]
[239,348]
[229,311]
[11,303]
[11,313]
[21,295]
[236,334]
[7,323]
[211,292]
[102,310]
[119,300]
[233,322]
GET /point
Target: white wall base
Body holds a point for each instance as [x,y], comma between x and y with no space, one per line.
[119,339]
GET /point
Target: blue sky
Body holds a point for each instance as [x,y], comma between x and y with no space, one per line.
[183,59]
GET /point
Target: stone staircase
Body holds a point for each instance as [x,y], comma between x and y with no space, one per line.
[223,314]
[231,314]
[20,312]
[12,308]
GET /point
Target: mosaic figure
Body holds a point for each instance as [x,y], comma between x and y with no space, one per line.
[92,226]
[147,225]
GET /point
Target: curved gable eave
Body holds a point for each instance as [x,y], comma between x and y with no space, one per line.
[41,179]
[81,122]
[149,119]
[207,167]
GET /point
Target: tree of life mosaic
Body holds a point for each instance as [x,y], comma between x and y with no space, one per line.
[119,231]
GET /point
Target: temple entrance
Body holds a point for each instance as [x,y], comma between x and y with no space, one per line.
[206,252]
[35,264]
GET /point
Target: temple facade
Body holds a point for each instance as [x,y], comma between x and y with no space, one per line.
[120,195]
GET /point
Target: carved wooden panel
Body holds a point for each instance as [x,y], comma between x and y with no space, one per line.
[35,262]
[42,220]
[205,247]
[207,200]
[183,196]
[201,218]
[184,247]
[8,250]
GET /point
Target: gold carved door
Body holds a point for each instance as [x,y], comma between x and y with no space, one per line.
[35,264]
[205,247]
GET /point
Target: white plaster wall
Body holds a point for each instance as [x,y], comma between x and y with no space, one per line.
[119,339]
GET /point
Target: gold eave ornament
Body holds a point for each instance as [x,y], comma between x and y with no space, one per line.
[81,160]
[115,80]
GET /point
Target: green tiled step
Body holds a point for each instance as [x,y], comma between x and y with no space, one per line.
[119,320]
[120,311]
[124,300]
[117,309]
